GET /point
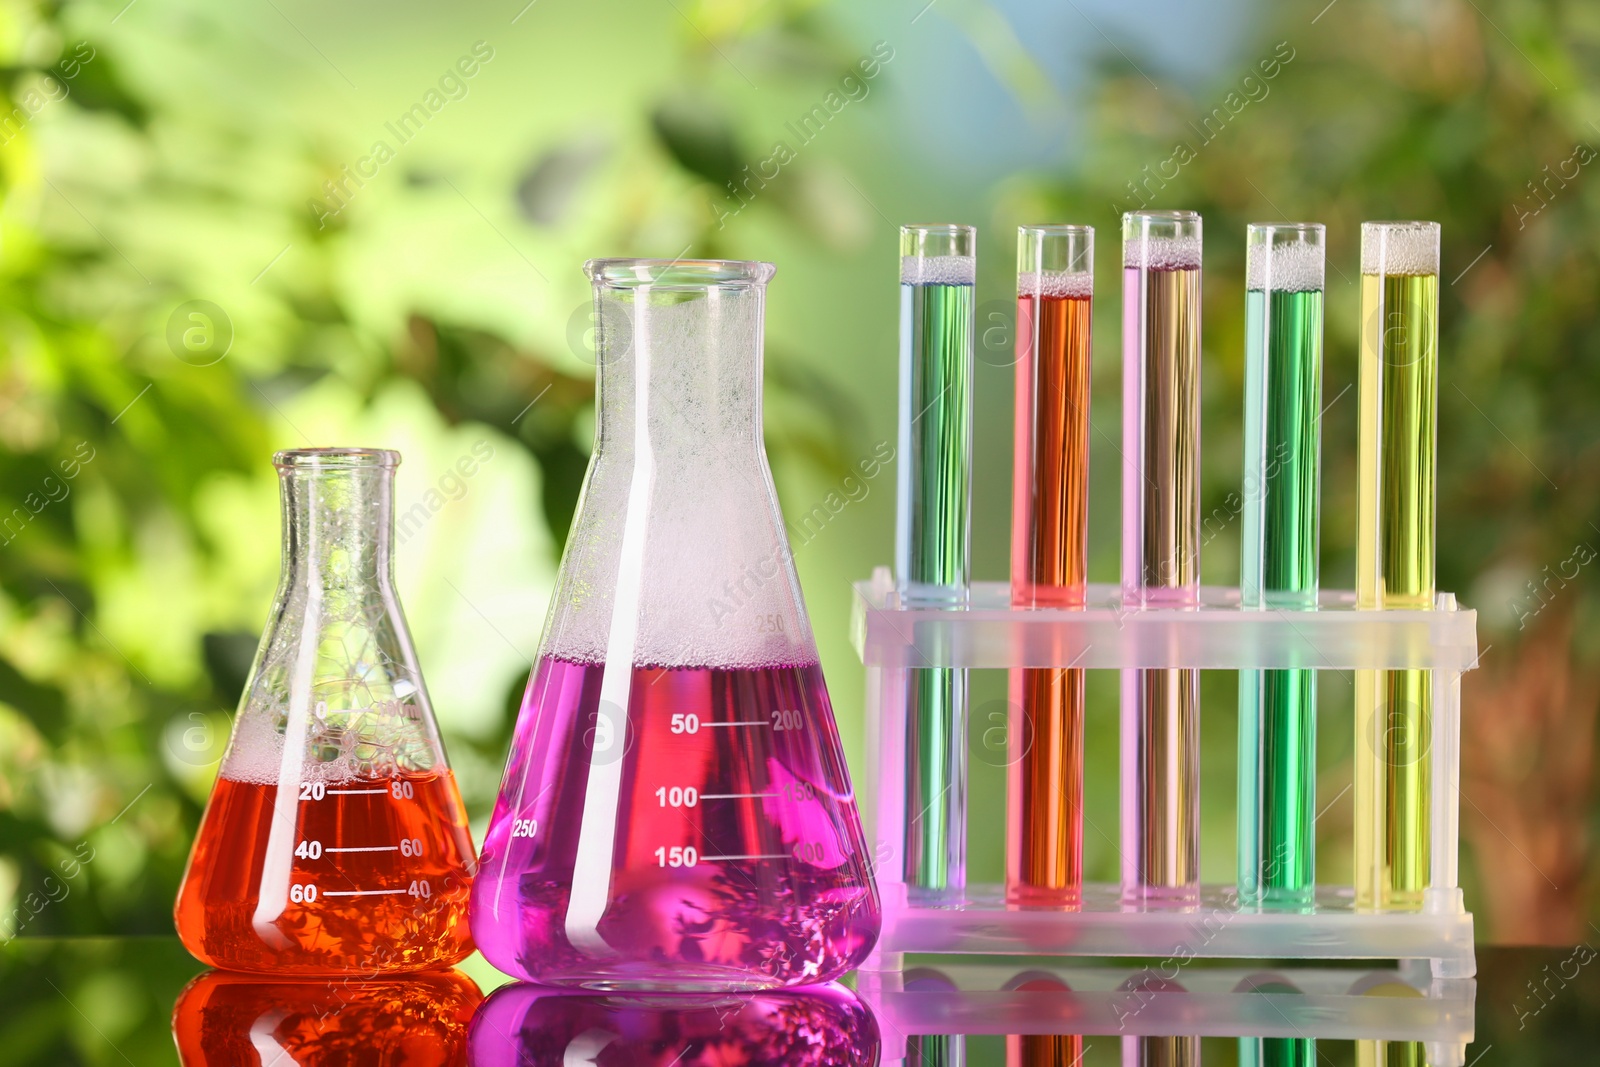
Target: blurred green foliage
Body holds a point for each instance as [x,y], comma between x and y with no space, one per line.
[442,302]
[136,421]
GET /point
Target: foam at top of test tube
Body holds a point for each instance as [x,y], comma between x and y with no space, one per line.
[1161,253]
[1071,283]
[1405,249]
[938,270]
[1295,268]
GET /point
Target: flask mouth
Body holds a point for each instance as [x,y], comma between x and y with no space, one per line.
[679,275]
[340,459]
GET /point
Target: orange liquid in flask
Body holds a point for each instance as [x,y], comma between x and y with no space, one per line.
[373,877]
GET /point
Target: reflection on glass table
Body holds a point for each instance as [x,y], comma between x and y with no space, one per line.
[1158,1015]
[228,1020]
[823,1026]
[109,1002]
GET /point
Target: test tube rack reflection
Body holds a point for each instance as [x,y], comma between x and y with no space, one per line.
[1284,1003]
[1216,634]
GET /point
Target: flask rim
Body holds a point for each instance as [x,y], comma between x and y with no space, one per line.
[321,459]
[679,275]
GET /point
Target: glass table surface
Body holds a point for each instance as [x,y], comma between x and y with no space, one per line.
[144,1001]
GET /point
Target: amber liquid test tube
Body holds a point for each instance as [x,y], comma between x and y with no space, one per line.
[1049,559]
[1161,548]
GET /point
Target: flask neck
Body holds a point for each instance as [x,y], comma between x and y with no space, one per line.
[682,370]
[338,527]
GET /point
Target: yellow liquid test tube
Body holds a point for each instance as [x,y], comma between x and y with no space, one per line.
[1398,397]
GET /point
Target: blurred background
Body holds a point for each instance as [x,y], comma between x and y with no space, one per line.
[232,229]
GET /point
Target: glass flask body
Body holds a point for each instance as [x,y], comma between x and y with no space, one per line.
[676,811]
[335,841]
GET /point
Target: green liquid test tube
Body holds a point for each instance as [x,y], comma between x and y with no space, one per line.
[1398,397]
[1281,515]
[938,269]
[1277,1052]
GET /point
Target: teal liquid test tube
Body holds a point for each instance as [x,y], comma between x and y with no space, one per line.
[1280,519]
[938,272]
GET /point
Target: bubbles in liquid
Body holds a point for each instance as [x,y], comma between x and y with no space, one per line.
[1290,268]
[1161,253]
[938,270]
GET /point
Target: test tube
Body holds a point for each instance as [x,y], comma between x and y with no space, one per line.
[1049,558]
[938,269]
[1284,266]
[1161,548]
[1277,1052]
[1160,1051]
[1398,398]
[1371,1053]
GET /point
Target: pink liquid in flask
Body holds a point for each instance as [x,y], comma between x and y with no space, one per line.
[738,860]
[676,813]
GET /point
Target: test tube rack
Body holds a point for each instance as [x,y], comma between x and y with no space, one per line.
[988,633]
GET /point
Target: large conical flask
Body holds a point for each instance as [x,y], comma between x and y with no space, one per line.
[676,812]
[335,841]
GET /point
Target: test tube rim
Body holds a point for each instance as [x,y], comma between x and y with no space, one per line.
[958,239]
[1141,228]
[1252,229]
[1172,214]
[321,459]
[946,229]
[1395,224]
[1136,225]
[679,275]
[1058,229]
[1031,244]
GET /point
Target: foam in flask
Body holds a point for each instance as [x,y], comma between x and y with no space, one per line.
[335,841]
[676,812]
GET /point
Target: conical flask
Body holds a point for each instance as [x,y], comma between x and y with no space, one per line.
[676,812]
[335,840]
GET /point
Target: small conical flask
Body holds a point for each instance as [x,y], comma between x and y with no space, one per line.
[676,812]
[335,841]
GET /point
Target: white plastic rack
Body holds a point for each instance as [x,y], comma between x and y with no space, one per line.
[988,632]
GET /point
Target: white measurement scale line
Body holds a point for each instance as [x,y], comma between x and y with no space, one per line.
[774,856]
[736,796]
[363,892]
[741,722]
[368,848]
[355,792]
